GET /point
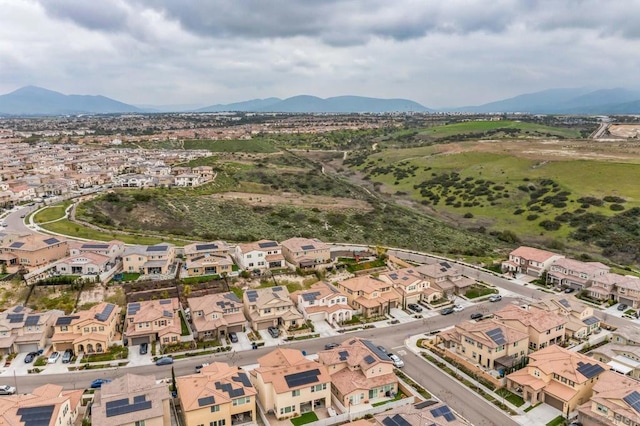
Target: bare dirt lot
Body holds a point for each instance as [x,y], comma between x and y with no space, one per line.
[309,201]
[625,130]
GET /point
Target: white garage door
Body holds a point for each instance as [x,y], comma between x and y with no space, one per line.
[28,347]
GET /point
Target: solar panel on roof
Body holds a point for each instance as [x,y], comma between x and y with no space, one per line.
[129,408]
[308,297]
[17,244]
[307,247]
[139,398]
[444,411]
[35,416]
[376,350]
[343,355]
[369,359]
[32,320]
[165,302]
[242,378]
[394,276]
[206,246]
[95,246]
[565,303]
[590,321]
[268,244]
[445,264]
[51,241]
[232,297]
[65,320]
[133,308]
[252,295]
[104,315]
[278,288]
[18,308]
[167,314]
[633,399]
[497,336]
[589,370]
[117,403]
[157,248]
[396,420]
[15,318]
[302,378]
[207,400]
[226,387]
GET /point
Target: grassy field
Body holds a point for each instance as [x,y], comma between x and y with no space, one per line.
[520,128]
[249,146]
[51,213]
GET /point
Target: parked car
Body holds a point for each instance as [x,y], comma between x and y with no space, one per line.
[30,357]
[7,390]
[66,356]
[274,332]
[495,298]
[397,362]
[97,383]
[415,307]
[199,367]
[447,311]
[165,360]
[622,307]
[457,308]
[476,315]
[53,358]
[569,290]
[233,337]
[144,348]
[331,346]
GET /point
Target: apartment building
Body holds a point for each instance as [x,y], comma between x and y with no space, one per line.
[220,395]
[289,384]
[558,377]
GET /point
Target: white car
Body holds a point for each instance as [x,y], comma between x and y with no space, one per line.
[53,358]
[457,308]
[7,390]
[397,362]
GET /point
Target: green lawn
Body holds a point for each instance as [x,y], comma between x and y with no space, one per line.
[51,213]
[248,146]
[511,397]
[185,331]
[309,417]
[558,421]
[526,129]
[478,291]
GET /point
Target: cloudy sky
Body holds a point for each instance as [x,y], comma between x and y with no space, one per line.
[436,52]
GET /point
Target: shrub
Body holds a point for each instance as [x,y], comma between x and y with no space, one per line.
[468,215]
[616,207]
[532,217]
[550,225]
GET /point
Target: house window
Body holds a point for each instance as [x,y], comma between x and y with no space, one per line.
[318,388]
[64,328]
[289,409]
[165,340]
[295,392]
[221,422]
[240,401]
[215,408]
[139,423]
[174,338]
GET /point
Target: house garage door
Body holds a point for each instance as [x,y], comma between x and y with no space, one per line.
[264,325]
[28,347]
[139,340]
[234,328]
[625,301]
[554,402]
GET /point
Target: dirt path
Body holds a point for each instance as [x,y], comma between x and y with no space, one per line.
[288,198]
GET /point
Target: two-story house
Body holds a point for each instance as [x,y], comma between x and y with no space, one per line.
[111,249]
[187,179]
[423,413]
[323,301]
[360,372]
[197,250]
[220,395]
[529,261]
[34,250]
[289,384]
[263,254]
[408,284]
[624,359]
[306,252]
[615,401]
[153,321]
[628,291]
[132,400]
[271,307]
[213,264]
[488,343]
[93,330]
[544,328]
[369,296]
[580,319]
[571,273]
[445,277]
[46,405]
[23,330]
[214,316]
[149,260]
[558,377]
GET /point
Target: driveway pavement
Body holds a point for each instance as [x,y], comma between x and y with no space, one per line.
[324,329]
[136,359]
[401,315]
[539,416]
[244,344]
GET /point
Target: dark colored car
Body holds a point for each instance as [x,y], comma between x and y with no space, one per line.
[622,307]
[569,290]
[30,357]
[144,348]
[66,356]
[165,360]
[415,307]
[233,337]
[447,311]
[476,315]
[274,332]
[97,383]
[331,346]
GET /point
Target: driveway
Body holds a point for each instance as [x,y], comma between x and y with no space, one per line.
[401,315]
[324,329]
[539,416]
[243,344]
[136,359]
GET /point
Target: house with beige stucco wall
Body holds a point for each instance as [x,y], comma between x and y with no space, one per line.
[369,296]
[87,331]
[149,260]
[544,328]
[615,401]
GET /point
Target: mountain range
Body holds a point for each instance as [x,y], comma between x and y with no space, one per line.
[32,100]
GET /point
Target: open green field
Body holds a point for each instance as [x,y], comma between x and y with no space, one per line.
[249,146]
[513,128]
[51,213]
